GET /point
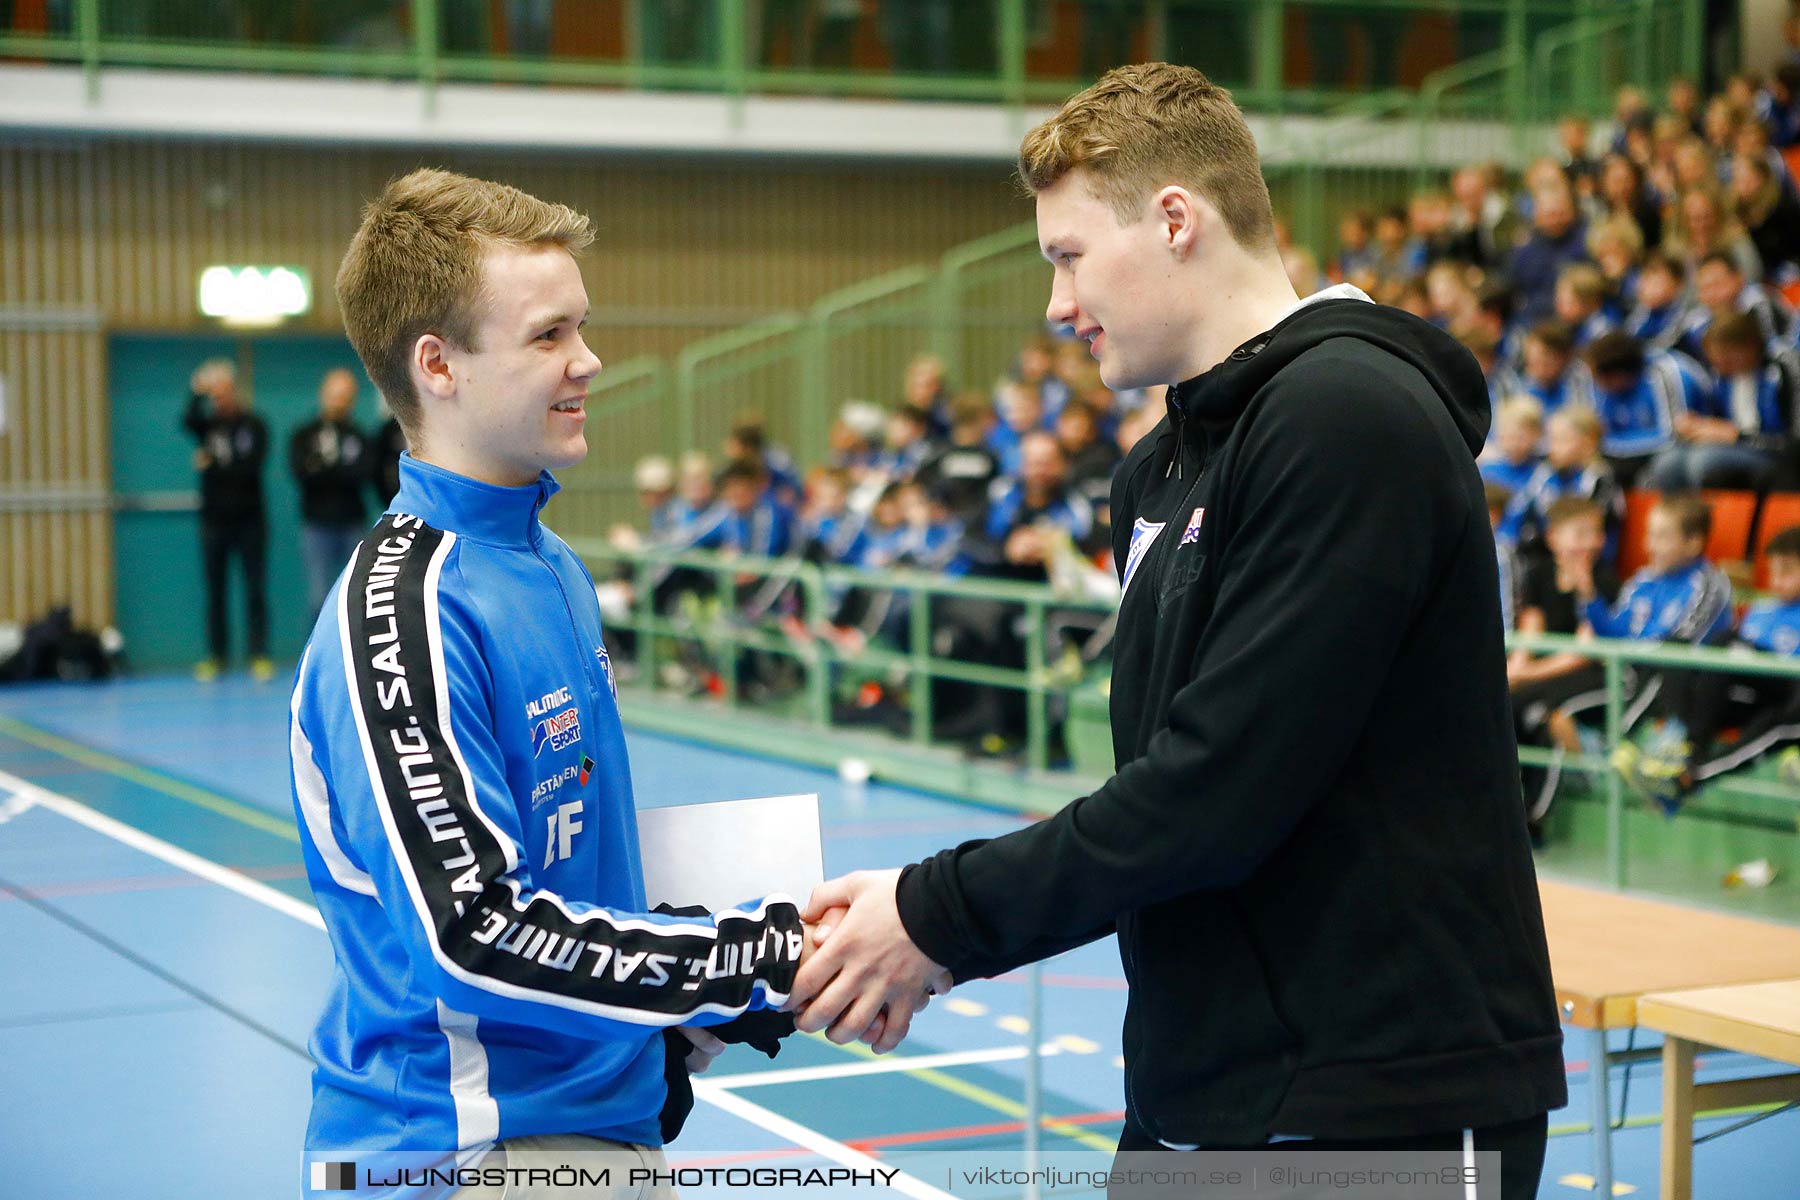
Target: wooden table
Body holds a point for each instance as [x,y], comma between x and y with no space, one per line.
[1752,1018]
[1608,948]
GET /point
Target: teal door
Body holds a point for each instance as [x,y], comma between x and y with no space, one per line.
[161,602]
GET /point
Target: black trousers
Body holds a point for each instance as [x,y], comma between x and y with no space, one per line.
[246,539]
[1520,1145]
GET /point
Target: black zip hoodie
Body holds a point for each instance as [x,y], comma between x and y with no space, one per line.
[1314,851]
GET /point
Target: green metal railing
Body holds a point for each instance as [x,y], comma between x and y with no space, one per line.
[726,638]
[1615,657]
[1277,55]
[1041,682]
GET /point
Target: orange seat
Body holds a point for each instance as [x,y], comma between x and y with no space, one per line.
[1791,155]
[1733,513]
[1638,503]
[1781,510]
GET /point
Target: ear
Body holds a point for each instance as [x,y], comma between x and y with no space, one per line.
[432,372]
[1179,214]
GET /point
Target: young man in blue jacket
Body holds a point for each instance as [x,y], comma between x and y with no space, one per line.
[459,768]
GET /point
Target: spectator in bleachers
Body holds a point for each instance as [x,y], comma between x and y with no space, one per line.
[1697,706]
[1512,457]
[1553,375]
[1705,225]
[1021,413]
[1452,297]
[1397,255]
[654,480]
[1770,214]
[1302,269]
[1738,433]
[829,530]
[1693,164]
[748,442]
[962,471]
[1428,220]
[1022,514]
[1572,466]
[696,495]
[1543,684]
[853,436]
[1623,195]
[1722,290]
[1664,311]
[1501,382]
[935,531]
[1558,238]
[1482,225]
[908,443]
[1784,106]
[1581,303]
[747,519]
[1573,135]
[926,387]
[1640,396]
[1354,255]
[1617,248]
[1719,124]
[1683,101]
[1037,370]
[1091,457]
[1493,313]
[1679,596]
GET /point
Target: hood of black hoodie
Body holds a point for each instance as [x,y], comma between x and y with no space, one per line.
[1221,394]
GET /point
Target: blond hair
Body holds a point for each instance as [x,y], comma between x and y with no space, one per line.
[1582,420]
[1146,126]
[414,267]
[1585,280]
[1520,409]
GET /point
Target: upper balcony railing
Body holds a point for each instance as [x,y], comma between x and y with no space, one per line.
[1276,55]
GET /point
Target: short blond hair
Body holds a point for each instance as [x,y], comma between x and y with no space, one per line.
[1585,280]
[1520,409]
[1582,420]
[1146,126]
[414,267]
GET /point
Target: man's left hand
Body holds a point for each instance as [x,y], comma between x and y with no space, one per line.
[867,968]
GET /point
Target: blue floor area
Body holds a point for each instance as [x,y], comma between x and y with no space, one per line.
[180,1009]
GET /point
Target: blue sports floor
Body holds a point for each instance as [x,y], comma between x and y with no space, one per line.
[160,968]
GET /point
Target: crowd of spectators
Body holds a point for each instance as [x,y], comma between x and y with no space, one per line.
[1630,300]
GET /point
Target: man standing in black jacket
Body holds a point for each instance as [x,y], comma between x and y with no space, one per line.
[330,461]
[1312,852]
[233,444]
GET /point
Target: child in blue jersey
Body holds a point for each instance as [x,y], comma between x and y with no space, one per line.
[1679,596]
[1739,433]
[1516,450]
[1697,705]
[459,768]
[1572,466]
[1641,397]
[1580,302]
[1552,374]
[1664,309]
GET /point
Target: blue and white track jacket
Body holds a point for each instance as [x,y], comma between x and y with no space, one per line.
[466,818]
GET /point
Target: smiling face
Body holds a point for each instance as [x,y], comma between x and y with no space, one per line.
[1105,284]
[511,406]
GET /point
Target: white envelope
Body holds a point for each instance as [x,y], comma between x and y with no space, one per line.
[721,854]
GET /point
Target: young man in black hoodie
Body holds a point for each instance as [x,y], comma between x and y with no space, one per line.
[1313,852]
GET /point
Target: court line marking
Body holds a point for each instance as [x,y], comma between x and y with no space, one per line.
[813,1140]
[156,781]
[155,847]
[243,885]
[880,1066]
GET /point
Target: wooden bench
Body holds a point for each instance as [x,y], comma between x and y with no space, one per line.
[1608,949]
[1752,1018]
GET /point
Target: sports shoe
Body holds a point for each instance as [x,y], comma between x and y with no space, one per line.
[262,669]
[206,670]
[1654,777]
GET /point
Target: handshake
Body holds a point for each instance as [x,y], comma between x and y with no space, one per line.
[860,976]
